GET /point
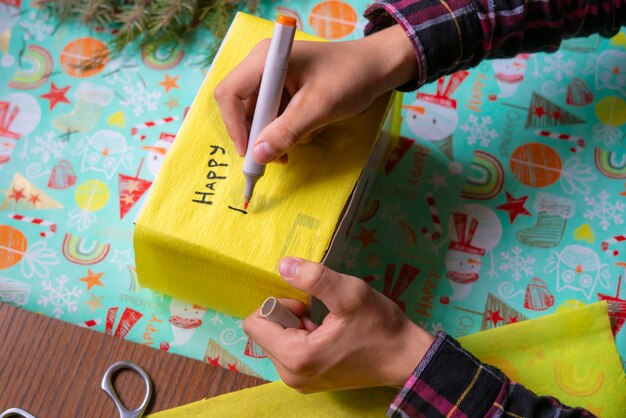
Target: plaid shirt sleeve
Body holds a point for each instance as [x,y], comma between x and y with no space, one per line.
[450,382]
[452,35]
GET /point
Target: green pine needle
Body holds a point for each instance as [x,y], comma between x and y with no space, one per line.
[150,23]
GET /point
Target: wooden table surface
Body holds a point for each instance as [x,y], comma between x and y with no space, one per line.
[54,369]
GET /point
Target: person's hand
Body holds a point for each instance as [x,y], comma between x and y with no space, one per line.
[366,340]
[325,82]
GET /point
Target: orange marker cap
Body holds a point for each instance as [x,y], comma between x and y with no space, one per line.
[286,20]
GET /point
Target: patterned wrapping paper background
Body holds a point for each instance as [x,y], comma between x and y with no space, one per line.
[522,160]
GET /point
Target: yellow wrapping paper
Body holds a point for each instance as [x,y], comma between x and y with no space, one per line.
[569,355]
[189,241]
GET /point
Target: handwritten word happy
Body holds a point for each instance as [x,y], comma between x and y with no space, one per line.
[419,157]
[213,176]
[425,303]
[150,329]
[477,91]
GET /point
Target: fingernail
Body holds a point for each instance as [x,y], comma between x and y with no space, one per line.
[264,153]
[288,267]
[240,149]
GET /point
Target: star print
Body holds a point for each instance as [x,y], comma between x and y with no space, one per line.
[172,103]
[122,258]
[17,195]
[92,279]
[128,199]
[367,237]
[233,367]
[539,111]
[372,260]
[514,207]
[494,316]
[438,181]
[213,361]
[94,302]
[132,186]
[169,83]
[513,319]
[34,199]
[556,115]
[56,95]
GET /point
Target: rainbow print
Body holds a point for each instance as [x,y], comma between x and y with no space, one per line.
[134,280]
[76,250]
[35,70]
[610,163]
[488,179]
[162,57]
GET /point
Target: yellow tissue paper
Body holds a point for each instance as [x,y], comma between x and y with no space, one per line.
[569,355]
[279,400]
[190,240]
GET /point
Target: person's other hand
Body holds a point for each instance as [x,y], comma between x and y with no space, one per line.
[325,82]
[366,340]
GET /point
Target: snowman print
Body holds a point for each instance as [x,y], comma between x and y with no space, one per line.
[435,117]
[474,230]
[510,73]
[186,317]
[156,152]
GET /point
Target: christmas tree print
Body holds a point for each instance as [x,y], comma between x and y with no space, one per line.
[542,113]
[131,188]
[498,313]
[217,355]
[24,195]
[495,314]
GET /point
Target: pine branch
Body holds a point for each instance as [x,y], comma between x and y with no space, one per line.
[173,14]
[150,23]
[96,13]
[131,22]
[63,10]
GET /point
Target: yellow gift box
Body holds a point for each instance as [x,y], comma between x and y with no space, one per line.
[193,242]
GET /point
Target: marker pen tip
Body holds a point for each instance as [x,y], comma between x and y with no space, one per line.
[245,205]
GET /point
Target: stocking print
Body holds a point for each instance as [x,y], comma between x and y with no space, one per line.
[91,99]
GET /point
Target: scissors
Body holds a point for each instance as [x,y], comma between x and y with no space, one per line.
[16,412]
[109,389]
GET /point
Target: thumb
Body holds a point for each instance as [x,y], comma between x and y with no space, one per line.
[342,294]
[300,118]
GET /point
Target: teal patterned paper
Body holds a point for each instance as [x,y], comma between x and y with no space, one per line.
[503,199]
